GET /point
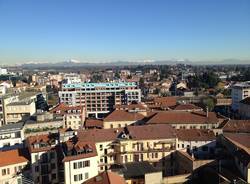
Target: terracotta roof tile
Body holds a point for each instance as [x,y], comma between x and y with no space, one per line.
[170,117]
[195,135]
[63,108]
[91,123]
[183,107]
[236,126]
[106,178]
[121,115]
[15,156]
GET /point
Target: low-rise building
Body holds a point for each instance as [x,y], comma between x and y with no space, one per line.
[74,116]
[11,136]
[186,120]
[42,123]
[197,142]
[14,168]
[121,118]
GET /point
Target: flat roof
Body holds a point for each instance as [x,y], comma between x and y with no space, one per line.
[106,85]
[11,127]
[134,169]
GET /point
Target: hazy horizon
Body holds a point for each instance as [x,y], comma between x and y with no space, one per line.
[132,30]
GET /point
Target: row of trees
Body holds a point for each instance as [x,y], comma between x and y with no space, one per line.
[205,80]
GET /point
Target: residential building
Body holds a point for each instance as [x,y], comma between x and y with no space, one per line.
[240,91]
[80,161]
[43,123]
[186,120]
[152,143]
[122,118]
[14,168]
[3,71]
[11,136]
[43,154]
[237,146]
[198,142]
[99,98]
[74,116]
[72,78]
[244,108]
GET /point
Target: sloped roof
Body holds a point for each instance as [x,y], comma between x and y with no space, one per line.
[106,177]
[195,135]
[15,156]
[122,115]
[174,117]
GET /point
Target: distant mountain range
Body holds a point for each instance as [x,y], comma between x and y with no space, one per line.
[75,63]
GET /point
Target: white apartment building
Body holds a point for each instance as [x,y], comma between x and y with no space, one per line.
[11,136]
[240,91]
[72,78]
[3,71]
[80,161]
[99,98]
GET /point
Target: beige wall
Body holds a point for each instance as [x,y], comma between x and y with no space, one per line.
[11,173]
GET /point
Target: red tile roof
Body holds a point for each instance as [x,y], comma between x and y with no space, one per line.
[80,145]
[236,126]
[48,139]
[15,156]
[92,123]
[240,140]
[148,132]
[167,101]
[186,107]
[195,135]
[64,109]
[121,115]
[174,117]
[106,178]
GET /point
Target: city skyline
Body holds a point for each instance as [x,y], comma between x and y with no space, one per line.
[98,31]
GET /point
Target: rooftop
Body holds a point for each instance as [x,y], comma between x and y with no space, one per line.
[105,85]
[122,115]
[195,135]
[11,127]
[134,170]
[65,109]
[75,149]
[106,177]
[181,117]
[235,126]
[11,157]
[41,143]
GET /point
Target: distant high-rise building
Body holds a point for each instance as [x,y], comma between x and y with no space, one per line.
[99,98]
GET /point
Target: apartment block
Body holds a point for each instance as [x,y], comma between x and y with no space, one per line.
[99,98]
[80,161]
[43,154]
[11,136]
[240,91]
[74,116]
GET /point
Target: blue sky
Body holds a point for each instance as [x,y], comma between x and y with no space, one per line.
[109,30]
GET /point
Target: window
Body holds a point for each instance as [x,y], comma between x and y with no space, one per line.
[75,178]
[80,177]
[80,164]
[75,165]
[182,145]
[156,155]
[111,126]
[87,163]
[86,176]
[4,172]
[53,176]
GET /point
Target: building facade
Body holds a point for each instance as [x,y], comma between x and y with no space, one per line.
[99,98]
[240,91]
